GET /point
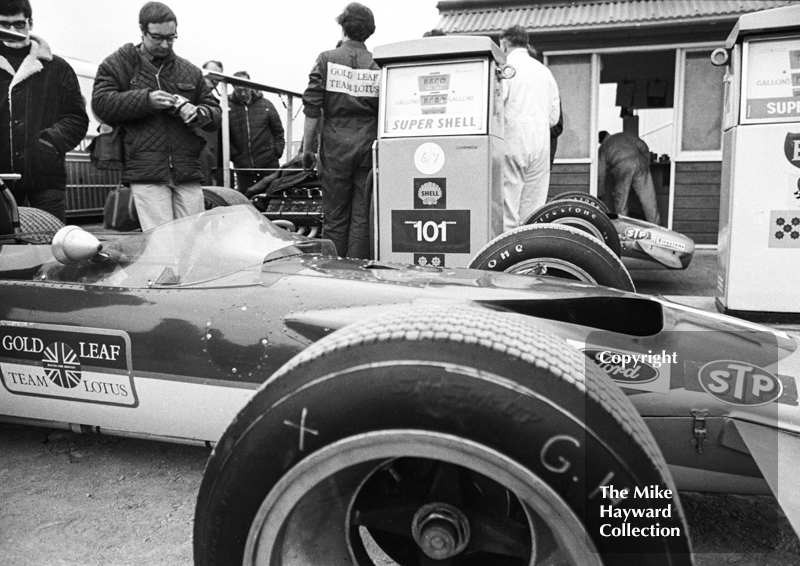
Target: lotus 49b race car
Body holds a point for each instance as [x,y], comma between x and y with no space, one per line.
[362,410]
[640,244]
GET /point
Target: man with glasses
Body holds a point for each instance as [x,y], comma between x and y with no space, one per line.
[42,113]
[161,100]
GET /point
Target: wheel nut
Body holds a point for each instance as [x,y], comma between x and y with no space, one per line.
[438,539]
[440,530]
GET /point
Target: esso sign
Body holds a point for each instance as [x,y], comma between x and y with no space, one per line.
[739,383]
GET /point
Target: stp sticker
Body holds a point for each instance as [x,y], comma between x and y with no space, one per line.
[70,363]
[429,158]
[739,383]
[636,234]
[430,192]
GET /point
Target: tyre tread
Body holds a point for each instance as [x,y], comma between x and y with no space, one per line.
[501,333]
[37,226]
[589,240]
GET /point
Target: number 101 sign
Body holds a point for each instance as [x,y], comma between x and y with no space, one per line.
[431,231]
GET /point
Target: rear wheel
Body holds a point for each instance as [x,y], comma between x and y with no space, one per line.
[554,250]
[433,437]
[222,196]
[579,215]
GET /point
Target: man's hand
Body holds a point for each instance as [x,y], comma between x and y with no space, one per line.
[160,100]
[187,112]
[309,160]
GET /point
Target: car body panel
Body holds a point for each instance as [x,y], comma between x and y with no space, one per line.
[646,245]
[169,333]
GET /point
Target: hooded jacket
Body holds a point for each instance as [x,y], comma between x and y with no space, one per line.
[157,143]
[40,102]
[257,137]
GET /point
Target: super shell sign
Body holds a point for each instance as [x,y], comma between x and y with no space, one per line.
[435,99]
[771,81]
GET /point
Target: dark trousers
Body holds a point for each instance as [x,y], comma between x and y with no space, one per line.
[345,206]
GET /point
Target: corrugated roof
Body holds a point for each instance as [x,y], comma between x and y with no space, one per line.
[460,17]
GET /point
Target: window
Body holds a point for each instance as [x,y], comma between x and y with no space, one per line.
[573,73]
[703,94]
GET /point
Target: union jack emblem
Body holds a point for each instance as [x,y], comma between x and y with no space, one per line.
[61,365]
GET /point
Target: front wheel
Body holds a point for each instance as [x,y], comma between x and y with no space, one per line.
[463,437]
[554,250]
[579,215]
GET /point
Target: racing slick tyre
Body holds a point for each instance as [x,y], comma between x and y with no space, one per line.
[554,250]
[583,197]
[37,226]
[436,436]
[579,215]
[222,196]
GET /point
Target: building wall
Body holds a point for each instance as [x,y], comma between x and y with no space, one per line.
[696,205]
[566,177]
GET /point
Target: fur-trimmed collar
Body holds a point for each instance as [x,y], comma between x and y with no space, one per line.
[32,64]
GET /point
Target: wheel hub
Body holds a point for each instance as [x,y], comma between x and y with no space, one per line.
[440,530]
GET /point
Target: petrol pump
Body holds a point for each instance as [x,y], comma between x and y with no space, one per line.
[759,233]
[438,182]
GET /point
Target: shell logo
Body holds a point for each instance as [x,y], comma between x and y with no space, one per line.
[429,193]
[739,383]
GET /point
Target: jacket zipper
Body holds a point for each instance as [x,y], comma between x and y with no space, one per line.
[169,137]
[11,130]
[249,145]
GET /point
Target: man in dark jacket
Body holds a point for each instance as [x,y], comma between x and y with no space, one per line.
[257,139]
[625,158]
[42,113]
[160,99]
[343,87]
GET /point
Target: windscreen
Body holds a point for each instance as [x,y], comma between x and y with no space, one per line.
[189,251]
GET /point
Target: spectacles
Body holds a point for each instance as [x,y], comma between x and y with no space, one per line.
[162,38]
[17,24]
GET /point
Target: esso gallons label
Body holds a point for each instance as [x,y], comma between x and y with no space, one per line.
[429,158]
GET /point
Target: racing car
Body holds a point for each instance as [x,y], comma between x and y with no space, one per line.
[364,412]
[640,244]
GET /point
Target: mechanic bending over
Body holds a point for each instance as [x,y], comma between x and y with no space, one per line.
[626,159]
[343,86]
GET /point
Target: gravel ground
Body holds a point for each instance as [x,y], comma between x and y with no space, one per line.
[90,500]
